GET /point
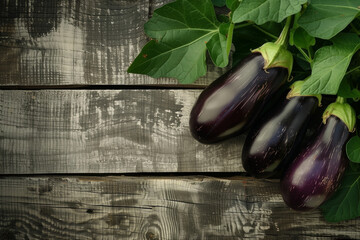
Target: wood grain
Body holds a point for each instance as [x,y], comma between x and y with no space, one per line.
[156,208]
[106,131]
[58,42]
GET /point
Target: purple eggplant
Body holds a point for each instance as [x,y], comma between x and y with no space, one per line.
[270,144]
[234,100]
[316,172]
[230,104]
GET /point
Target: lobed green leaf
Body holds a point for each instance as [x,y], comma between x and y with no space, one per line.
[217,47]
[326,18]
[182,31]
[353,149]
[330,65]
[186,63]
[347,91]
[262,11]
[344,204]
[302,39]
[232,4]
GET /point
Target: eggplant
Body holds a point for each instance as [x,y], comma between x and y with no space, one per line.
[230,104]
[317,171]
[233,101]
[272,143]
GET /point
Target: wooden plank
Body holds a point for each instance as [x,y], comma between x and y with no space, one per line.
[156,208]
[53,43]
[106,131]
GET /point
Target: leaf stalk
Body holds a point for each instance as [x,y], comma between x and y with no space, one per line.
[307,58]
[355,29]
[351,70]
[243,25]
[265,32]
[229,38]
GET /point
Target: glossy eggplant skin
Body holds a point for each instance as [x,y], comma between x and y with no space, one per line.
[271,143]
[317,171]
[234,100]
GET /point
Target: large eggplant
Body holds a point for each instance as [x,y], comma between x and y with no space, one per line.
[316,172]
[233,101]
[270,144]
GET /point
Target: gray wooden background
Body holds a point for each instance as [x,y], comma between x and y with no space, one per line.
[88,151]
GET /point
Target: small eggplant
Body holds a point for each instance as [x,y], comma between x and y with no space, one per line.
[270,144]
[317,171]
[234,100]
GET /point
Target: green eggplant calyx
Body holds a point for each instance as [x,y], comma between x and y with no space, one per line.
[295,91]
[344,112]
[275,55]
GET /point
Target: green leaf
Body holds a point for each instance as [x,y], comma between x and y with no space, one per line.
[302,39]
[157,59]
[326,18]
[345,203]
[232,4]
[217,47]
[350,85]
[182,19]
[293,28]
[219,3]
[262,11]
[353,149]
[181,31]
[346,89]
[330,65]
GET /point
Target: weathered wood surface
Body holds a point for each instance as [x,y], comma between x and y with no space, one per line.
[106,131]
[52,43]
[156,208]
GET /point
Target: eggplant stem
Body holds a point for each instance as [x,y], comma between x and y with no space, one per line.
[340,99]
[282,40]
